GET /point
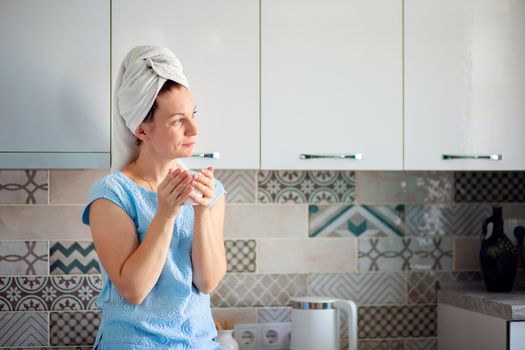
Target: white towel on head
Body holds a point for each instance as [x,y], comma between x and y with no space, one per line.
[141,75]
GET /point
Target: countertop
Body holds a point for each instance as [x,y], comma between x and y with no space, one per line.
[509,306]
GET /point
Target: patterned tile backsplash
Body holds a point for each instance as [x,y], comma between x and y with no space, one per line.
[386,240]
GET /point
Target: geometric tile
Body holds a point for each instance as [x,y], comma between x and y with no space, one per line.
[306,186]
[241,185]
[397,321]
[408,187]
[277,314]
[73,257]
[363,288]
[489,186]
[390,254]
[23,328]
[74,328]
[384,344]
[238,290]
[422,344]
[356,220]
[422,286]
[240,255]
[44,293]
[441,219]
[23,186]
[23,258]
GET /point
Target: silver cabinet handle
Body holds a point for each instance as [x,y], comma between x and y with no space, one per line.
[215,155]
[357,156]
[491,157]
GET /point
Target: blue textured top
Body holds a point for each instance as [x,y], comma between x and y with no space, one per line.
[175,314]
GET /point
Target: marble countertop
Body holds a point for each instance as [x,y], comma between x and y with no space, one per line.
[509,306]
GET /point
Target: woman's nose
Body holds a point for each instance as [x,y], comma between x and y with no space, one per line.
[192,128]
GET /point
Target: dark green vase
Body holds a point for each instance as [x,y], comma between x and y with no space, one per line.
[498,256]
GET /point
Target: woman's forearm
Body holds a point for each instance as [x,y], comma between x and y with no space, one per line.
[207,254]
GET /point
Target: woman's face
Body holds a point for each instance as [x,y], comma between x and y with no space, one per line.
[173,131]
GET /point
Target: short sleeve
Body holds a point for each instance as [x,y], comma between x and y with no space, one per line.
[106,189]
[219,190]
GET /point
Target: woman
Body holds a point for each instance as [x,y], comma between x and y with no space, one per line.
[157,230]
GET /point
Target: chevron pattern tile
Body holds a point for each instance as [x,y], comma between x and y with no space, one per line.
[421,344]
[24,186]
[386,254]
[439,220]
[489,186]
[240,185]
[49,293]
[363,288]
[276,314]
[73,328]
[295,186]
[23,258]
[356,220]
[73,257]
[422,286]
[416,321]
[23,329]
[240,290]
[384,344]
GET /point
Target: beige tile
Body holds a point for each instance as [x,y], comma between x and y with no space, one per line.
[237,315]
[49,222]
[513,211]
[466,254]
[72,186]
[332,254]
[266,220]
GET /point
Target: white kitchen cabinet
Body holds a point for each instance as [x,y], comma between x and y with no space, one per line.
[218,45]
[54,84]
[331,83]
[464,84]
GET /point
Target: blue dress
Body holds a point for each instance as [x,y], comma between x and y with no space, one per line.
[175,314]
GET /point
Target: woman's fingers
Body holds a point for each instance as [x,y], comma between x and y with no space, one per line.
[205,190]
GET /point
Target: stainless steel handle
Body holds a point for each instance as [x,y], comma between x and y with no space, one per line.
[490,157]
[215,155]
[357,156]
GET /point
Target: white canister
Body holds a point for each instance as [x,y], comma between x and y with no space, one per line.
[226,339]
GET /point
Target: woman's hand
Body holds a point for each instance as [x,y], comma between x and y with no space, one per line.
[203,182]
[172,192]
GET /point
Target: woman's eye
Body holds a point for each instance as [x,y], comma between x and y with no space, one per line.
[178,121]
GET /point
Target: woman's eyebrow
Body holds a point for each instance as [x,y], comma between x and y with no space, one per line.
[180,113]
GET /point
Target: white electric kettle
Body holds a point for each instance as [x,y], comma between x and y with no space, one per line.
[315,323]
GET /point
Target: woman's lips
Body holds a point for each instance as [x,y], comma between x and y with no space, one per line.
[188,144]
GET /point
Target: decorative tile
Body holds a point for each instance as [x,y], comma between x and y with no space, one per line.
[72,186]
[23,258]
[73,328]
[23,186]
[49,293]
[292,186]
[421,344]
[405,254]
[385,344]
[240,184]
[237,290]
[422,286]
[392,187]
[397,321]
[23,329]
[489,186]
[363,288]
[439,220]
[240,255]
[73,258]
[276,314]
[356,220]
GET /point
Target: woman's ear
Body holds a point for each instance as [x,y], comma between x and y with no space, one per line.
[141,133]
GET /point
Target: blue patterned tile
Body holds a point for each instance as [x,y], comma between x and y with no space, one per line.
[73,258]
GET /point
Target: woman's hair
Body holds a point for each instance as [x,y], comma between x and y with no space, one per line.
[168,85]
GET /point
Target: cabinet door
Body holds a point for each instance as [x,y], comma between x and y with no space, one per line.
[464,84]
[331,83]
[54,84]
[218,45]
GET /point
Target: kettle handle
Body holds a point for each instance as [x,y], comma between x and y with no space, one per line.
[351,310]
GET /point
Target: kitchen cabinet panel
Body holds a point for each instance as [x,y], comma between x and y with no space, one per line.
[54,84]
[218,45]
[464,83]
[331,83]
